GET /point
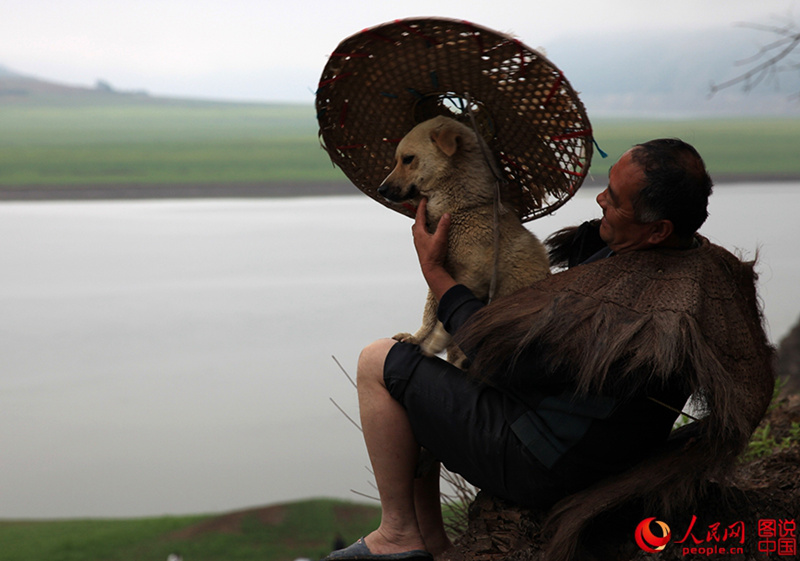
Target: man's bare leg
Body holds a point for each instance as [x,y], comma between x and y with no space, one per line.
[393,452]
[429,512]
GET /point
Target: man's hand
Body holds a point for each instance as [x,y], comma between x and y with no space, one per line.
[432,251]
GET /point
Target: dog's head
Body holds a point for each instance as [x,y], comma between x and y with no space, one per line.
[432,151]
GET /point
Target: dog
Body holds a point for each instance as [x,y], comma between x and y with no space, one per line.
[442,160]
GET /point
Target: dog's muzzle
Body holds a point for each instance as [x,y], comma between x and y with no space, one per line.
[390,193]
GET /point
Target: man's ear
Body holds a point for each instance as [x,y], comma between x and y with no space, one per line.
[660,231]
[446,138]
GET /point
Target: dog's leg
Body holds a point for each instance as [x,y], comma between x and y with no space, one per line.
[437,340]
[431,336]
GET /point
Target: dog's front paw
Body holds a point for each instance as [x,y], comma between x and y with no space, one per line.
[406,338]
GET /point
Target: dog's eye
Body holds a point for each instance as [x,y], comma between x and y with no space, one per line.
[408,159]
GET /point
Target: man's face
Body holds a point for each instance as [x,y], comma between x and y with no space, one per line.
[618,228]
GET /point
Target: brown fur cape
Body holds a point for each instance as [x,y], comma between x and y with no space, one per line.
[633,319]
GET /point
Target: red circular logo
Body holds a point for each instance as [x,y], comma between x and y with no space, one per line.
[647,540]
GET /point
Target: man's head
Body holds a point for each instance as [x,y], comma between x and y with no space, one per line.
[657,195]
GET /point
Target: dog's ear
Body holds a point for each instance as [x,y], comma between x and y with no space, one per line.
[446,138]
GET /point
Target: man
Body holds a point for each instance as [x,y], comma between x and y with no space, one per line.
[577,380]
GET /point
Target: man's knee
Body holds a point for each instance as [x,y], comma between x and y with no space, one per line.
[371,360]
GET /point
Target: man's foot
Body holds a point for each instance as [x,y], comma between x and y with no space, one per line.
[360,551]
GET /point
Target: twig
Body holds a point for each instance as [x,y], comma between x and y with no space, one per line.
[345,414]
[458,504]
[359,493]
[344,371]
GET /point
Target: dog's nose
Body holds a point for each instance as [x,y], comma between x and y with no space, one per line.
[390,192]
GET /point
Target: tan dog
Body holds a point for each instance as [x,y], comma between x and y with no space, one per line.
[441,160]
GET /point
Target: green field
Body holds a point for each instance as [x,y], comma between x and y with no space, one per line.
[159,143]
[732,146]
[281,533]
[151,142]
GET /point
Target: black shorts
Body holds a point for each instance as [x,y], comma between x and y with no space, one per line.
[466,425]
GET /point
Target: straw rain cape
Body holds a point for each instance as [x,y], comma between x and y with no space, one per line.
[621,323]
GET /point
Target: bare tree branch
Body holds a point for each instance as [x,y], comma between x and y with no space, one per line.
[770,60]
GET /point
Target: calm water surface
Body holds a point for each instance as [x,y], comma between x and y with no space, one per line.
[176,356]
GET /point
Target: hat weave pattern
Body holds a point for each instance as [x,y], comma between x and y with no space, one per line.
[379,83]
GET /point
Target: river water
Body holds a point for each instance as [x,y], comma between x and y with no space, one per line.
[169,357]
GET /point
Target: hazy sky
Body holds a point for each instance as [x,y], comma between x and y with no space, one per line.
[268,50]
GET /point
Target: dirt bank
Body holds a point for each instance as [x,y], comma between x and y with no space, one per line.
[109,191]
[115,191]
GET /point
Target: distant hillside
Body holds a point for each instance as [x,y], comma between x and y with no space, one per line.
[274,533]
[16,88]
[22,89]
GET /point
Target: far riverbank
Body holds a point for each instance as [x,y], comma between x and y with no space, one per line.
[133,191]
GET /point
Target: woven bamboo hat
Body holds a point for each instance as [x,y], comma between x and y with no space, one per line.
[379,83]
